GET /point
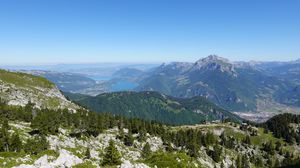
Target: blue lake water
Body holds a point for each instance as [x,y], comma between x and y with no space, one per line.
[123,85]
[100,78]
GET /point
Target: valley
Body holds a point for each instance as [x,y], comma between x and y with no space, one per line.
[201,133]
[262,88]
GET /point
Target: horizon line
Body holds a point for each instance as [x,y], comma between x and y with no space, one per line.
[131,62]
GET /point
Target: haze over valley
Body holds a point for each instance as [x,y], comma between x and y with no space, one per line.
[254,90]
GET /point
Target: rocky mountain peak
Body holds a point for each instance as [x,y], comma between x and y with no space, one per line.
[212,59]
[214,62]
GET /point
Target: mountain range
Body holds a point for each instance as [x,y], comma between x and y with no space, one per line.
[269,87]
[234,86]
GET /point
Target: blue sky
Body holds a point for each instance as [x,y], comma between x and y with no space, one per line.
[83,31]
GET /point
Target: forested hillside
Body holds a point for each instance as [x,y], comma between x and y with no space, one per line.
[154,106]
[286,126]
[34,138]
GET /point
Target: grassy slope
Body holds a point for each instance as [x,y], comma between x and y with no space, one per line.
[24,80]
[25,87]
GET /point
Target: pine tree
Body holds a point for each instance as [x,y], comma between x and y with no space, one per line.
[15,143]
[36,145]
[216,154]
[230,143]
[142,135]
[87,153]
[1,146]
[169,147]
[222,165]
[112,155]
[5,136]
[209,139]
[270,161]
[277,163]
[146,150]
[47,122]
[259,162]
[239,162]
[245,162]
[128,140]
[223,138]
[269,147]
[29,111]
[278,146]
[121,135]
[247,140]
[193,150]
[5,124]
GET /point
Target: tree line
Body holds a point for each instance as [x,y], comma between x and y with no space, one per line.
[85,123]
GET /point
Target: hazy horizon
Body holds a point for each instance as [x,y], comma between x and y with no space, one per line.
[129,63]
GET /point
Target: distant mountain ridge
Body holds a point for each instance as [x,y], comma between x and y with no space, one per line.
[233,86]
[64,80]
[122,79]
[287,70]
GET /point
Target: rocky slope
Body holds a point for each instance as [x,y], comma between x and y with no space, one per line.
[66,151]
[20,89]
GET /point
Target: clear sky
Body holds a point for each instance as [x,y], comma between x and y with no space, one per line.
[74,31]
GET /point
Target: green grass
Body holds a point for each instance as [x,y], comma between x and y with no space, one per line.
[263,138]
[76,152]
[163,160]
[9,159]
[237,135]
[10,154]
[53,102]
[24,80]
[87,164]
[49,153]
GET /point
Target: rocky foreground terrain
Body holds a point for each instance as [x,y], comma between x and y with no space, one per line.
[66,151]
